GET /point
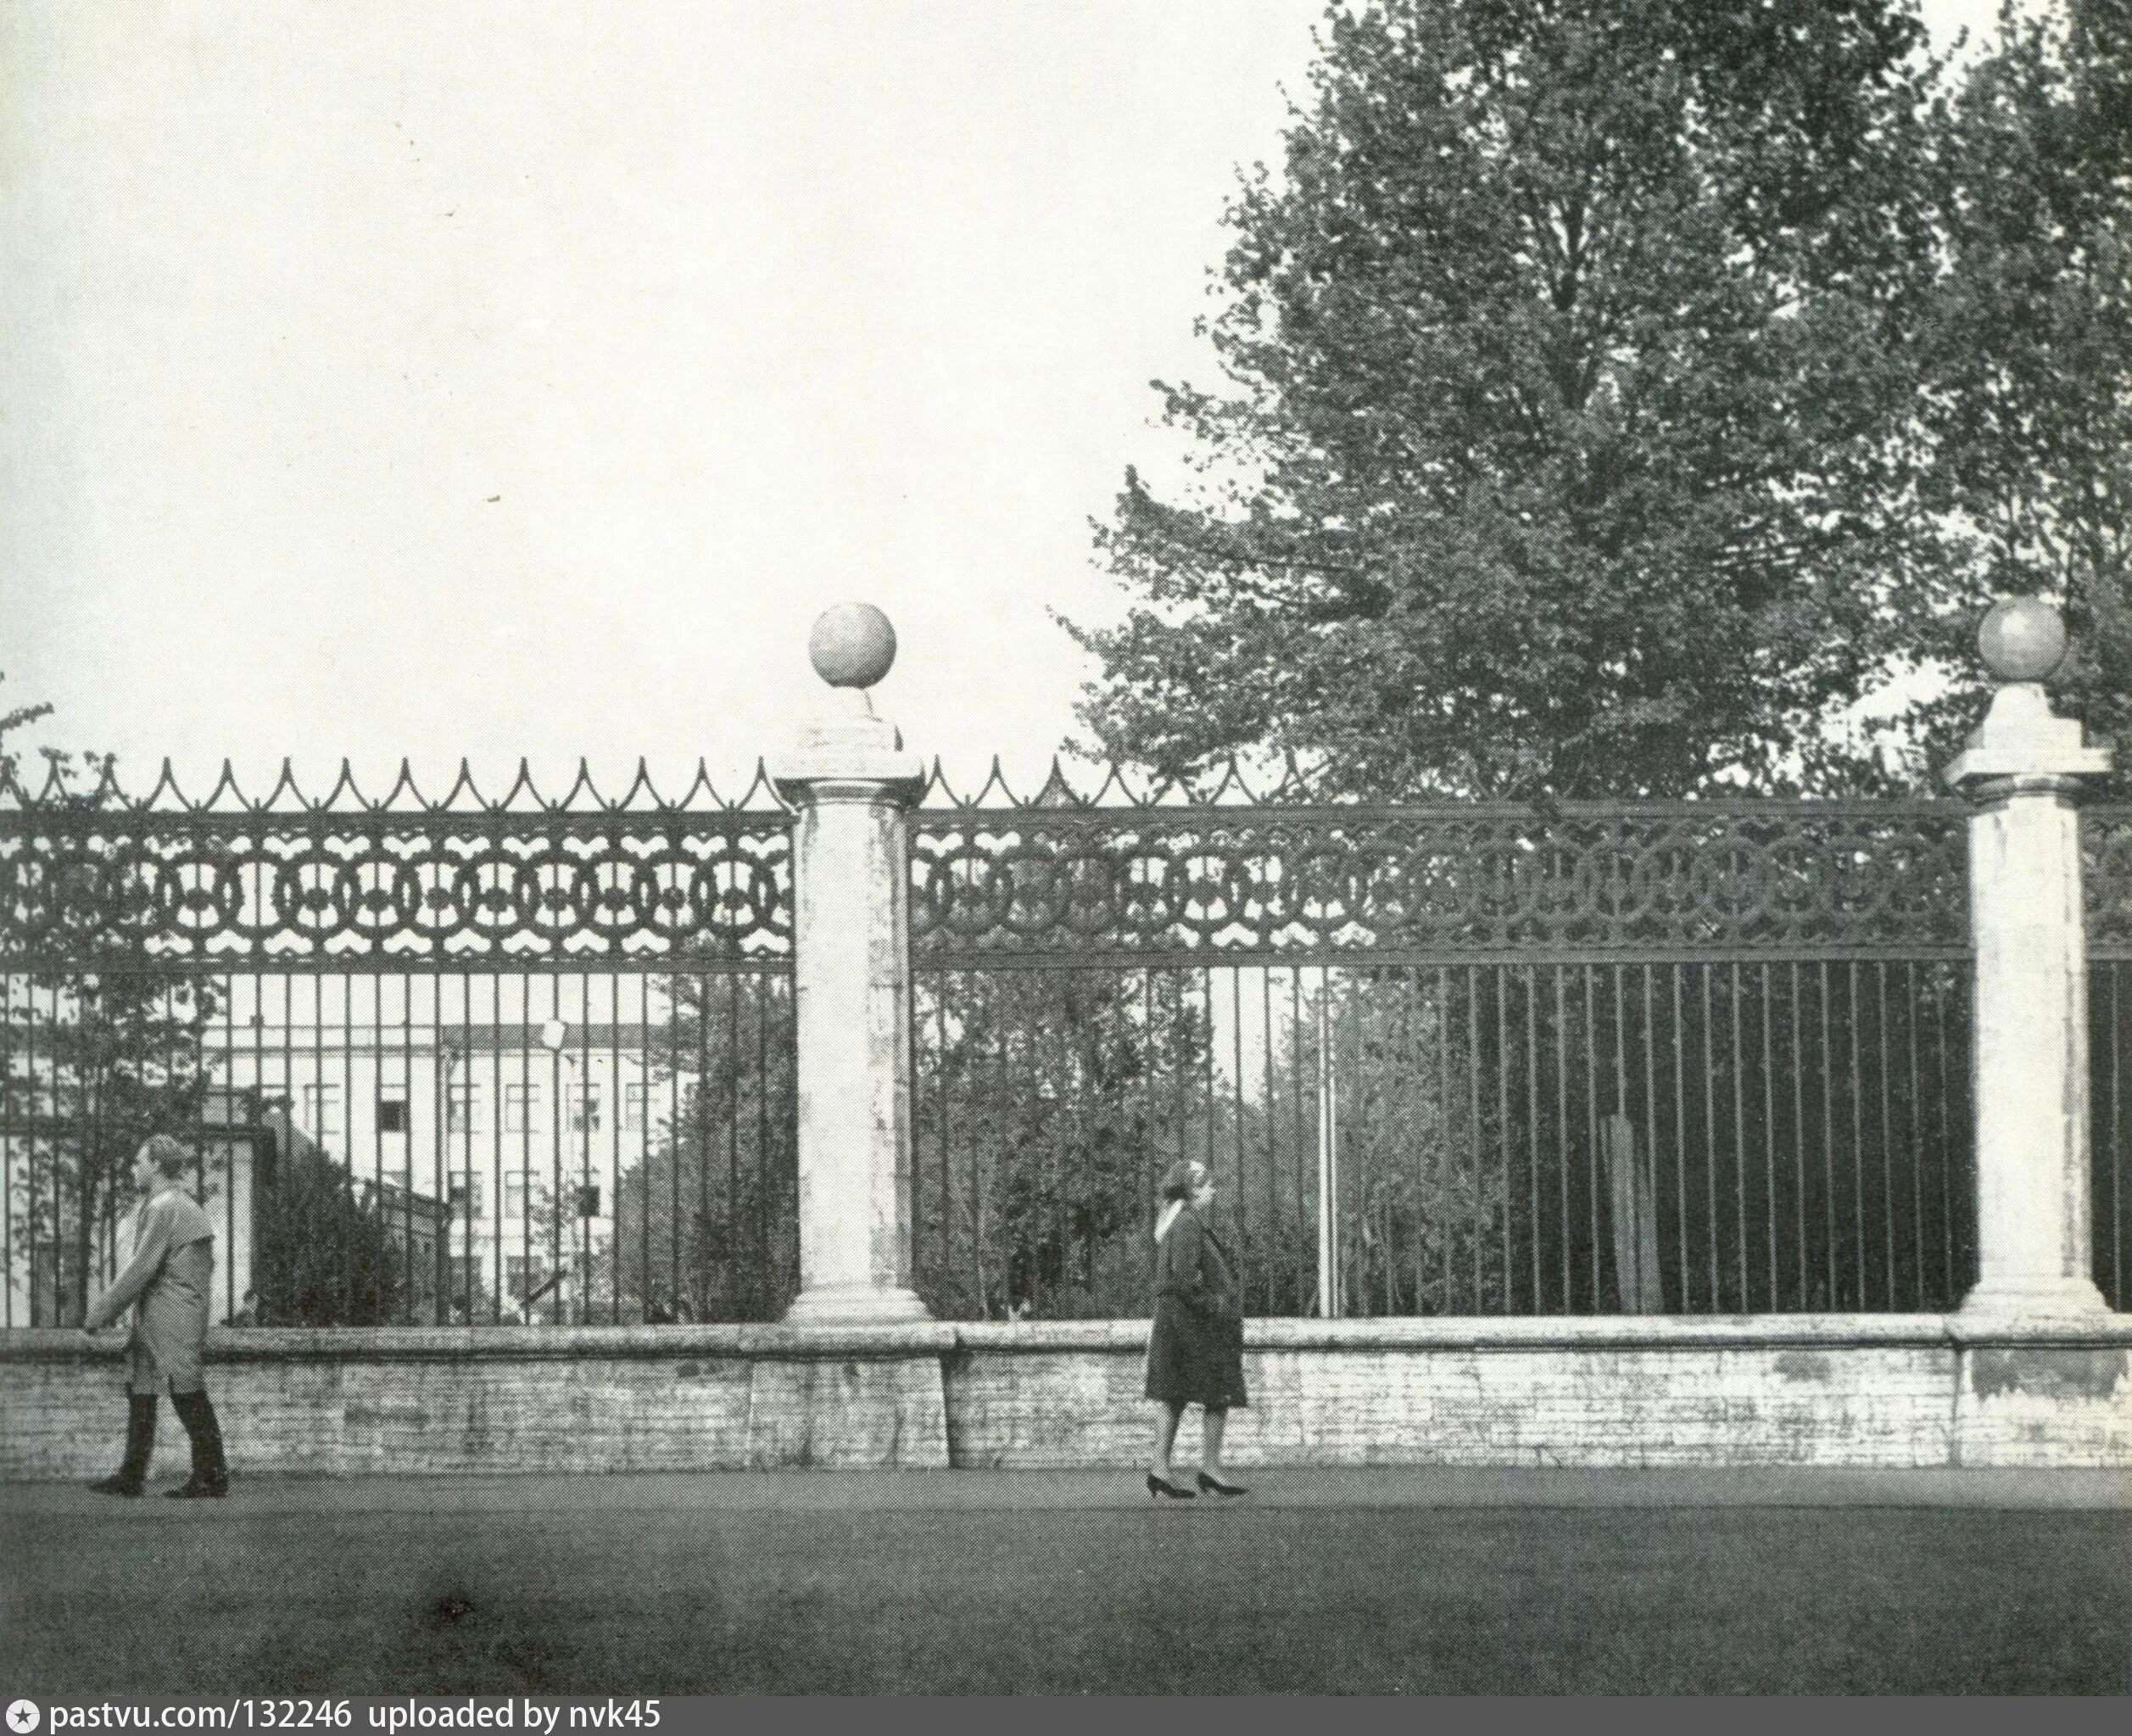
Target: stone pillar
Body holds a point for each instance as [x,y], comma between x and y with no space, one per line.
[2022,769]
[852,783]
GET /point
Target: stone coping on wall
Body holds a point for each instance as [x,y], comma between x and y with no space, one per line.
[901,1340]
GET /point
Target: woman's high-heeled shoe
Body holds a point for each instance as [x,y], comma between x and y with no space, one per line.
[1160,1487]
[1215,1486]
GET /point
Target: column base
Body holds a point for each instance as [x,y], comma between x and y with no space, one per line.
[855,1306]
[2068,1299]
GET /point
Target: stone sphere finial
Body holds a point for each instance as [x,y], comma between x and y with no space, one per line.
[2022,638]
[852,646]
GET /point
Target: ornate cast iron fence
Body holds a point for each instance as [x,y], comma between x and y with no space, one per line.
[2107,846]
[1691,1056]
[1445,1059]
[449,1059]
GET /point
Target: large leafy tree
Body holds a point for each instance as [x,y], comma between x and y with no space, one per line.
[2029,358]
[1568,442]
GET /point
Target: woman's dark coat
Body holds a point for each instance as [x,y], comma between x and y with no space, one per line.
[1194,1352]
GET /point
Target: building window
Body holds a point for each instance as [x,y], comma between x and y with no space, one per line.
[467,1277]
[514,1196]
[322,1111]
[391,1114]
[465,1193]
[584,1108]
[521,1103]
[462,1107]
[635,1099]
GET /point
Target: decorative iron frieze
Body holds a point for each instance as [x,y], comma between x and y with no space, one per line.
[404,883]
[1038,884]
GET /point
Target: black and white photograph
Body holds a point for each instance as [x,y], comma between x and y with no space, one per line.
[1061,847]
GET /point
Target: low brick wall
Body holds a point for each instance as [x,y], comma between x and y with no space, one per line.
[1851,1389]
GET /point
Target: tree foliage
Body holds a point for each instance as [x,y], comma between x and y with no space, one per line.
[91,1062]
[1600,377]
[707,1224]
[321,1255]
[2029,359]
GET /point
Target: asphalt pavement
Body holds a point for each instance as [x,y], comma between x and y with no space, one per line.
[1382,1580]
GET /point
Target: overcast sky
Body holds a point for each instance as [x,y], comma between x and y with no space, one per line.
[443,377]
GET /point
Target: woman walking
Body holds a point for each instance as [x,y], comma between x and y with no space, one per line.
[1195,1350]
[168,1283]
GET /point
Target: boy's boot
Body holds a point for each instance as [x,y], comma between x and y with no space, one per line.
[210,1476]
[140,1442]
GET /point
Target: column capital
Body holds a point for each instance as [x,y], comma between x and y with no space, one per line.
[845,753]
[2022,747]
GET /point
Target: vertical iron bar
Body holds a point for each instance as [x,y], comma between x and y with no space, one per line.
[525,1146]
[1621,1085]
[1829,1149]
[1857,1140]
[29,1157]
[555,1141]
[1680,1143]
[1945,1122]
[1650,1110]
[440,1255]
[496,1145]
[1244,1251]
[318,1082]
[1532,1127]
[1887,1139]
[407,1165]
[2120,1290]
[1206,1060]
[614,1151]
[1739,1144]
[1710,1151]
[1591,1132]
[731,1071]
[762,1135]
[1473,1125]
[1798,1135]
[1503,1119]
[1769,1140]
[700,1243]
[1443,1123]
[1271,1115]
[1562,1137]
[1916,1185]
[1295,1140]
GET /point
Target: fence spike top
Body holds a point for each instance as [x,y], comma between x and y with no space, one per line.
[346,781]
[107,789]
[1114,778]
[643,782]
[768,784]
[997,780]
[285,784]
[584,783]
[523,785]
[936,780]
[165,779]
[225,782]
[700,783]
[405,782]
[1057,792]
[465,781]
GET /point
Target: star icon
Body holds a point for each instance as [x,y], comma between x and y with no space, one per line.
[22,1716]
